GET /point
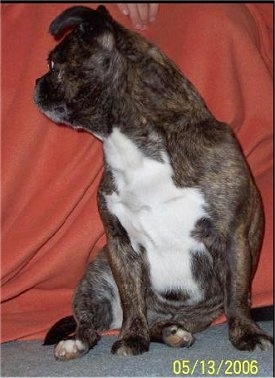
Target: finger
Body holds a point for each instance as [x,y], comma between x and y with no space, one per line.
[153,11]
[143,11]
[134,16]
[123,8]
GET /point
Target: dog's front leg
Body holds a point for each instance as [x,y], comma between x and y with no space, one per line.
[244,333]
[127,267]
[130,274]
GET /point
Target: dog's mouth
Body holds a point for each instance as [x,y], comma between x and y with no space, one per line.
[52,108]
[57,113]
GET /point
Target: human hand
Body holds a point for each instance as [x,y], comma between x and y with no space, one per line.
[141,14]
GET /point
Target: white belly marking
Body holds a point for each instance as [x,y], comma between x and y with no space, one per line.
[155,213]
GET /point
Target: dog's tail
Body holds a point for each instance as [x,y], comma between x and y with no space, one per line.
[60,330]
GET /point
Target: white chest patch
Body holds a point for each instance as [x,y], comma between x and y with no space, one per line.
[155,213]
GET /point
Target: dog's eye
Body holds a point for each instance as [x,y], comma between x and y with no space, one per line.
[55,69]
[51,65]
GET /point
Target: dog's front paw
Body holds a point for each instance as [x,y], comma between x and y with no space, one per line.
[248,336]
[250,340]
[130,346]
[176,336]
[69,349]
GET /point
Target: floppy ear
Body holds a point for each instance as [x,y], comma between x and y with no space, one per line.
[96,21]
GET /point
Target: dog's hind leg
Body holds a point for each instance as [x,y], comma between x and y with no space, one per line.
[96,308]
[244,333]
[171,333]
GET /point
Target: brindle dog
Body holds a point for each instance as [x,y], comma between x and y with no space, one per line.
[182,214]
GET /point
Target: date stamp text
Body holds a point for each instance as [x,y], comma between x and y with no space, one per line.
[187,367]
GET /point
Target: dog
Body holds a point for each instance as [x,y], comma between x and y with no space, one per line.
[182,214]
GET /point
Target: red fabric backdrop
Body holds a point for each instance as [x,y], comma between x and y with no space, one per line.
[50,223]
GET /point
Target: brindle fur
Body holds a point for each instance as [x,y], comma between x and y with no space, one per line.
[106,76]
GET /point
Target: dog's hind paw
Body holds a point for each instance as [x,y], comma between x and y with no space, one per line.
[69,349]
[130,346]
[177,337]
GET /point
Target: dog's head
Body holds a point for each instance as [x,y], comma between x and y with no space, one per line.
[102,74]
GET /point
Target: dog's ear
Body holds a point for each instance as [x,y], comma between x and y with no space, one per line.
[101,9]
[96,23]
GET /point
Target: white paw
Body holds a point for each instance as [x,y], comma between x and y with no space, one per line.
[69,349]
[177,337]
